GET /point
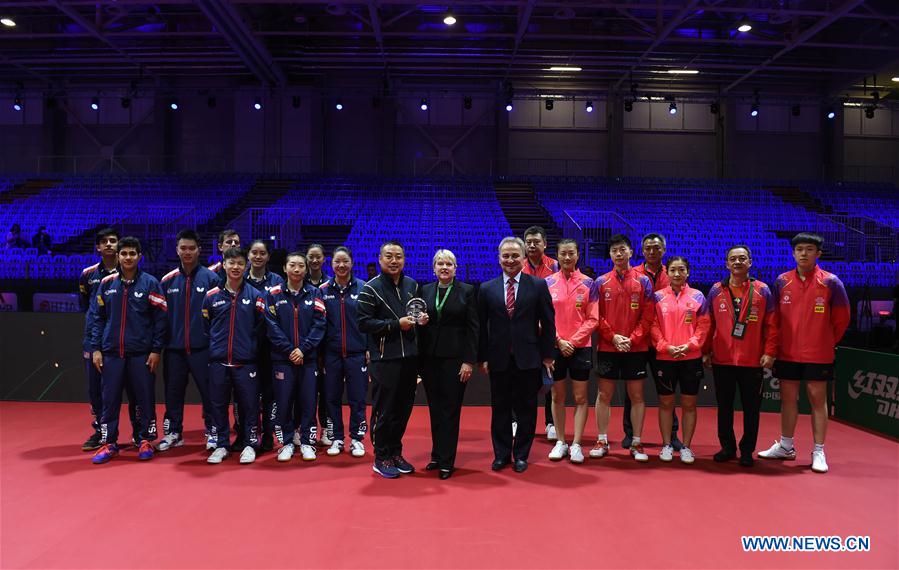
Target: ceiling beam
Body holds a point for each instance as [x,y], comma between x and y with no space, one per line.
[847,7]
[524,19]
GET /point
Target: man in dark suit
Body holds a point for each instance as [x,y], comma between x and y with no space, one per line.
[517,336]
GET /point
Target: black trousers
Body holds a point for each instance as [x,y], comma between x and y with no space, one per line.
[548,408]
[445,392]
[749,380]
[626,420]
[393,385]
[513,390]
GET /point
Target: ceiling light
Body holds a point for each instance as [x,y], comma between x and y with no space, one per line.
[755,110]
[95,103]
[257,103]
[744,26]
[8,22]
[339,105]
[449,20]
[509,106]
[564,68]
[672,108]
[17,103]
[683,71]
[424,104]
[896,79]
[831,114]
[589,107]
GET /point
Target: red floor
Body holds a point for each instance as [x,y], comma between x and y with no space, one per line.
[60,511]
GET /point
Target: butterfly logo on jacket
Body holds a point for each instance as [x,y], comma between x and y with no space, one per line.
[200,289]
[245,301]
[138,294]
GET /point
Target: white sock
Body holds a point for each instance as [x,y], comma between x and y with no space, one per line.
[603,438]
[819,447]
[786,442]
[636,440]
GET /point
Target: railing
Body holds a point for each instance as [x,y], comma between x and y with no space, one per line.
[281,226]
[869,240]
[592,230]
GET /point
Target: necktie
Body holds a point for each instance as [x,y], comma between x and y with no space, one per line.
[510,297]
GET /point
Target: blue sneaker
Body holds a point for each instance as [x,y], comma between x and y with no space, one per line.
[105,453]
[402,465]
[146,451]
[386,469]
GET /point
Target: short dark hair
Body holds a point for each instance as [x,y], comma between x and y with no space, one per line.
[534,230]
[294,254]
[105,232]
[232,252]
[680,258]
[257,241]
[568,241]
[225,233]
[738,246]
[657,236]
[315,246]
[807,237]
[619,239]
[391,242]
[128,241]
[342,249]
[371,264]
[189,235]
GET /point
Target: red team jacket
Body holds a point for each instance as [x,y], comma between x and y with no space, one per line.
[659,280]
[547,267]
[574,300]
[813,315]
[680,319]
[625,308]
[761,326]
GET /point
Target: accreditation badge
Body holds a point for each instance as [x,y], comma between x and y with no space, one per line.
[688,318]
[739,330]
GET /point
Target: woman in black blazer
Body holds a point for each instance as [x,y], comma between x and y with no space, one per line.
[448,349]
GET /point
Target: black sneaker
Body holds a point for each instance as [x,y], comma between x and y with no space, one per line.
[402,465]
[724,455]
[92,443]
[747,461]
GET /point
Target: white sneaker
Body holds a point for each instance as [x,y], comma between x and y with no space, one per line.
[325,440]
[667,453]
[777,451]
[551,432]
[819,463]
[601,449]
[357,448]
[514,428]
[308,452]
[285,453]
[248,455]
[575,453]
[297,440]
[559,451]
[170,441]
[336,448]
[218,455]
[686,455]
[638,453]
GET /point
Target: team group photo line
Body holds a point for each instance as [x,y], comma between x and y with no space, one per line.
[286,349]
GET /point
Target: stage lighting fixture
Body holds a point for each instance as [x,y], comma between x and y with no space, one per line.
[8,22]
[628,106]
[831,114]
[755,110]
[173,104]
[126,102]
[17,103]
[744,26]
[714,108]
[95,103]
[424,104]
[796,110]
[589,107]
[549,104]
[449,20]
[257,103]
[869,112]
[672,108]
[466,102]
[338,105]
[295,101]
[509,106]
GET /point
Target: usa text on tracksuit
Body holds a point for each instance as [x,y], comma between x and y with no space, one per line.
[187,346]
[128,322]
[234,321]
[345,347]
[296,320]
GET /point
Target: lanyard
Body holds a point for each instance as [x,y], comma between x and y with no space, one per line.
[445,297]
[733,300]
